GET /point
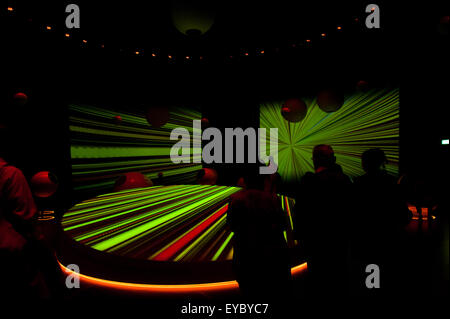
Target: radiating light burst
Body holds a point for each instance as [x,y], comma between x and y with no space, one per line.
[104,147]
[366,120]
[163,223]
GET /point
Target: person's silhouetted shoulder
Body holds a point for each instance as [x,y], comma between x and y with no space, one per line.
[16,206]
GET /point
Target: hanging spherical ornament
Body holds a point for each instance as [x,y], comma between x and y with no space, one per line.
[20,99]
[117,119]
[362,86]
[330,100]
[193,18]
[44,184]
[294,110]
[157,116]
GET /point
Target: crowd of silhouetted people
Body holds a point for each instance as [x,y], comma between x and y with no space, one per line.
[342,226]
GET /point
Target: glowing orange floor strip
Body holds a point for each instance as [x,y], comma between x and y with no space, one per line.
[189,288]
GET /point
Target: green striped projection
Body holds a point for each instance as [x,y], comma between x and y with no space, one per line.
[164,223]
[103,148]
[366,120]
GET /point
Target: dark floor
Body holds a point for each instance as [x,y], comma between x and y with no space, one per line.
[424,259]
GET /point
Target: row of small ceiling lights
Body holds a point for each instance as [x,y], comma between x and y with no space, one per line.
[155,52]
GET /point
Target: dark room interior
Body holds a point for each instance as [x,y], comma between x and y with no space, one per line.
[98,200]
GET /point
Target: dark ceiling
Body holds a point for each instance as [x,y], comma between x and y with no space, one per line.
[229,53]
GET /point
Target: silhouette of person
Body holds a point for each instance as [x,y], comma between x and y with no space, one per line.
[377,219]
[17,208]
[272,182]
[31,267]
[260,258]
[17,212]
[160,179]
[321,219]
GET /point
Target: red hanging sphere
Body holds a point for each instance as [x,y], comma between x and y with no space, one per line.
[330,100]
[362,86]
[20,99]
[158,116]
[44,184]
[117,119]
[294,110]
[205,122]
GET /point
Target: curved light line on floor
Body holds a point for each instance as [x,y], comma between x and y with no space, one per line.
[159,288]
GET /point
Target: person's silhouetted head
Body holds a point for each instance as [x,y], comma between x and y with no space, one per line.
[373,160]
[252,179]
[323,156]
[272,183]
[241,182]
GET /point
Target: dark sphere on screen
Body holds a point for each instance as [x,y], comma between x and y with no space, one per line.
[117,119]
[204,123]
[330,100]
[362,86]
[207,176]
[20,99]
[294,110]
[158,116]
[44,184]
[132,180]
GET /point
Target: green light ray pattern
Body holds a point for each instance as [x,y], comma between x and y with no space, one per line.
[103,149]
[366,120]
[178,223]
